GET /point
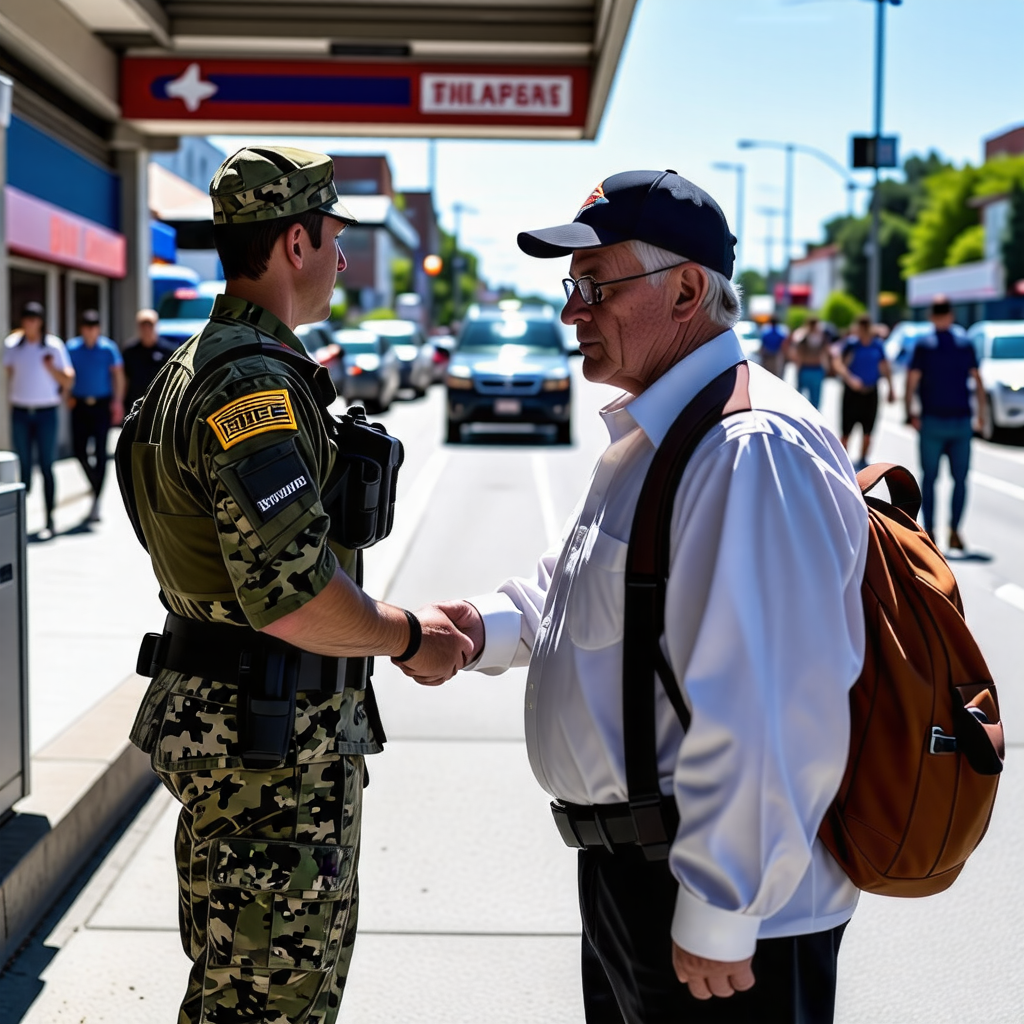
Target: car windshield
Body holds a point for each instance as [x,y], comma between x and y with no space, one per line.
[1008,346]
[185,304]
[492,335]
[353,347]
[398,329]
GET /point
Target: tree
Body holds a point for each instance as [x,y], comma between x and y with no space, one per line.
[967,247]
[752,282]
[841,309]
[441,285]
[946,214]
[1013,240]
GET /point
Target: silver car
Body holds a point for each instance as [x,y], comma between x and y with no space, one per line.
[371,368]
[999,346]
[415,353]
[318,340]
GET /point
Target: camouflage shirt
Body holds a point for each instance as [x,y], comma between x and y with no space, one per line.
[229,487]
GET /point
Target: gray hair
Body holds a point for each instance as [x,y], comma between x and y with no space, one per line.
[722,302]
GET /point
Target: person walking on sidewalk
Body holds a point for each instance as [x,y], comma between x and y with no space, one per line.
[144,355]
[809,349]
[773,351]
[97,400]
[861,364]
[941,368]
[765,634]
[38,373]
[260,711]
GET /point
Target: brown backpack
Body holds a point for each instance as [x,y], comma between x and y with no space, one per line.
[926,741]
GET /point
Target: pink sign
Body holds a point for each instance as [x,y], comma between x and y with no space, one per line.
[40,229]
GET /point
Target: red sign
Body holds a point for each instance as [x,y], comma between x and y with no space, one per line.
[194,89]
[37,228]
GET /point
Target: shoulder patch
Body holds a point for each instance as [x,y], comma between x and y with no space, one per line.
[252,415]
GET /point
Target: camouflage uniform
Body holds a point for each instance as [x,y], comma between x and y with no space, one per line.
[228,489]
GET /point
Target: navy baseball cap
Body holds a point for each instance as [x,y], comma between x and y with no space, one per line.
[658,207]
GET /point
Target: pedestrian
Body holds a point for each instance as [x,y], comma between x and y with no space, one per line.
[941,368]
[860,366]
[765,634]
[260,711]
[97,400]
[772,352]
[809,349]
[38,373]
[144,355]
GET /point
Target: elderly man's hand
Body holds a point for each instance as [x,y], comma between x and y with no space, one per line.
[707,978]
[444,649]
[463,617]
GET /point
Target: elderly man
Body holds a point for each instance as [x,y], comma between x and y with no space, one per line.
[765,635]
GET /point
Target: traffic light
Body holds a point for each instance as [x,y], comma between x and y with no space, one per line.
[869,151]
[433,264]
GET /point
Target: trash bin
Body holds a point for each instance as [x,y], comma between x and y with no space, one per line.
[14,752]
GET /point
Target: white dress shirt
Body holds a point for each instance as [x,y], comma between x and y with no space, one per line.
[765,634]
[32,386]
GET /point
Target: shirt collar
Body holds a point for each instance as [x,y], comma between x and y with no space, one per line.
[656,409]
[230,307]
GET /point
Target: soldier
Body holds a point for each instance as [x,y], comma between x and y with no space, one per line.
[260,712]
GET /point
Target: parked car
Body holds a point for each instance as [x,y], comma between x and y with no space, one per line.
[318,340]
[184,311]
[749,335]
[999,345]
[444,345]
[899,346]
[509,367]
[372,373]
[415,353]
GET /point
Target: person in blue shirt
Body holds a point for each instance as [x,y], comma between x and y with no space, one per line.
[861,365]
[940,369]
[772,352]
[97,399]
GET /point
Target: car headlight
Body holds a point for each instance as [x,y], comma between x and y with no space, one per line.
[368,362]
[459,381]
[555,384]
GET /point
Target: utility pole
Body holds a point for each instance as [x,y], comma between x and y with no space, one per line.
[788,205]
[740,171]
[458,262]
[875,248]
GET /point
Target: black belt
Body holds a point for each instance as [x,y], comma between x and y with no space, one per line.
[227,653]
[587,826]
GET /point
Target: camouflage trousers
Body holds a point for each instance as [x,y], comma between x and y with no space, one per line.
[267,890]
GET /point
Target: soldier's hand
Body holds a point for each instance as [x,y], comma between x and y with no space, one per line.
[468,620]
[444,649]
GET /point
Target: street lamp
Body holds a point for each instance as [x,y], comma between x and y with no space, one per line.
[739,170]
[769,213]
[820,155]
[875,254]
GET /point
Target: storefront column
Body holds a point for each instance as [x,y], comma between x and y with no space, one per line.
[6,87]
[133,292]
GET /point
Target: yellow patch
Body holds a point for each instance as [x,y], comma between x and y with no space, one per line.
[252,415]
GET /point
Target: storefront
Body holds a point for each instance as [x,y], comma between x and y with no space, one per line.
[62,216]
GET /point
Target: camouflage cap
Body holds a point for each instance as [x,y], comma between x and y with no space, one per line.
[268,182]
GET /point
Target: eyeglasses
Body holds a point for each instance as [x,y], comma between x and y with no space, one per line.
[590,290]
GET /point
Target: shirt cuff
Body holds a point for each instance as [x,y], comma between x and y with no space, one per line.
[502,626]
[711,932]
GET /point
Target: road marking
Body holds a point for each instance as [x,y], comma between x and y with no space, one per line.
[383,566]
[547,501]
[1012,594]
[993,483]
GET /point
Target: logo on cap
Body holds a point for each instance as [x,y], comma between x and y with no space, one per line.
[594,199]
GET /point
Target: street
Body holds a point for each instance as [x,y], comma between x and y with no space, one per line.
[468,906]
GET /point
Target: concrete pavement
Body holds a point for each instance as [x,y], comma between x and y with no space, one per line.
[468,897]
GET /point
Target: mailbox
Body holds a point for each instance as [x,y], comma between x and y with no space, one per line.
[14,752]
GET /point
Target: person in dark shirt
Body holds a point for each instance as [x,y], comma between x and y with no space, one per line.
[940,369]
[144,356]
[860,366]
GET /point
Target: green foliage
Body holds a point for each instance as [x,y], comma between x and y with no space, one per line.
[967,247]
[1013,240]
[841,309]
[945,215]
[751,282]
[469,282]
[381,313]
[852,235]
[401,275]
[797,316]
[339,306]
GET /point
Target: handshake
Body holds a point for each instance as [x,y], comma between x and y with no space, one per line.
[453,636]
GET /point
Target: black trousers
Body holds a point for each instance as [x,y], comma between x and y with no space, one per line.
[627,904]
[91,423]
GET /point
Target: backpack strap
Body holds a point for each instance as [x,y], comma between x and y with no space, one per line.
[647,565]
[904,492]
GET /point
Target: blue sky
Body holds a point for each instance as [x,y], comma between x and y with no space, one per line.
[697,75]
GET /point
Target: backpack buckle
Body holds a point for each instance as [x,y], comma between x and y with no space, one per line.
[940,742]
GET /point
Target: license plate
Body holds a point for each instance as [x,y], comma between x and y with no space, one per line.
[507,406]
